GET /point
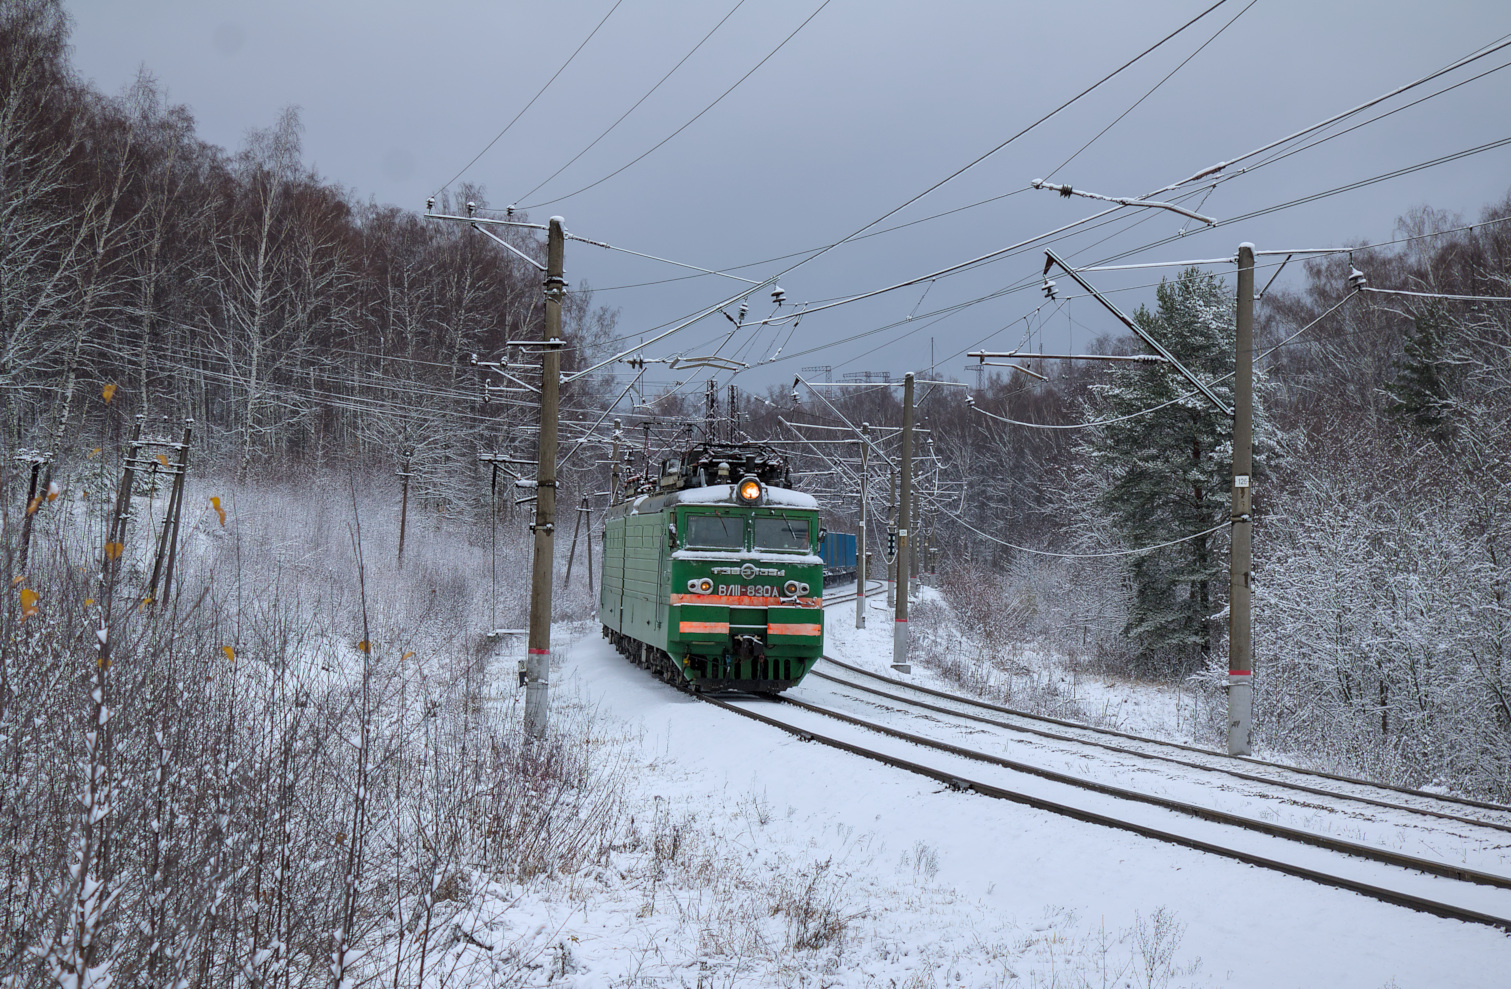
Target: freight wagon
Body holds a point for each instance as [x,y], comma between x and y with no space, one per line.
[837,550]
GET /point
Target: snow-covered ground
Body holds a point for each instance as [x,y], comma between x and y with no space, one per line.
[757,859]
[1153,710]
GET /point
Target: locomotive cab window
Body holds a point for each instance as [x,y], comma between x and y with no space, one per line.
[715,532]
[790,535]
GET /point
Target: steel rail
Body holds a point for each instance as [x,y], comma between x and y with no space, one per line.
[1423,794]
[954,781]
[1355,849]
[1250,777]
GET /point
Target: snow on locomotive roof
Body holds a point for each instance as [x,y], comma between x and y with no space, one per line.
[771,497]
[744,555]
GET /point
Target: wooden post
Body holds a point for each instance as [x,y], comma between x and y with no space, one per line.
[538,658]
[572,553]
[115,536]
[28,515]
[178,505]
[404,501]
[587,509]
[493,547]
[167,541]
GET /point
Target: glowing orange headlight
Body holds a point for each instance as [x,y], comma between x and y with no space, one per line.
[749,489]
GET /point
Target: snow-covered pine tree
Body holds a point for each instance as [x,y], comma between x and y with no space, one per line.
[1167,474]
[1423,386]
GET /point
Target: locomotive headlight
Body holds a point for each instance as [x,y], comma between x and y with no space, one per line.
[705,586]
[749,490]
[692,586]
[791,587]
[803,588]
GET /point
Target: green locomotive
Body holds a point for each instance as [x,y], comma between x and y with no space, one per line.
[710,575]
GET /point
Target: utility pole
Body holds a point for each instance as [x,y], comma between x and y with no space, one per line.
[1240,631]
[915,531]
[860,548]
[904,514]
[404,500]
[614,470]
[892,539]
[710,416]
[538,659]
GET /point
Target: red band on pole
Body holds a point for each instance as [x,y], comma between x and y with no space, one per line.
[540,652]
[1240,673]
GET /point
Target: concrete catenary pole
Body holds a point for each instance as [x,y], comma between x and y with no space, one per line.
[860,542]
[892,563]
[904,515]
[1240,641]
[538,659]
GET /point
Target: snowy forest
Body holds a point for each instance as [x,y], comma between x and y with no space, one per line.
[278,768]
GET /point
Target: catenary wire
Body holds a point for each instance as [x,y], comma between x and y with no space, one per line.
[1152,90]
[1080,556]
[972,164]
[607,130]
[696,117]
[499,136]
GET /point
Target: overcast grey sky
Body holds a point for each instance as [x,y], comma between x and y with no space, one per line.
[868,105]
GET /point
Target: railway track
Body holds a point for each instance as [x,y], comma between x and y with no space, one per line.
[1086,735]
[1434,885]
[1177,753]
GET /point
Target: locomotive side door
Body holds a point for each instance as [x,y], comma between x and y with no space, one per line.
[624,533]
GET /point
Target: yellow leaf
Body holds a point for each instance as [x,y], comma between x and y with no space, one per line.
[95,452]
[88,602]
[113,551]
[17,579]
[108,393]
[162,460]
[28,603]
[53,490]
[405,656]
[230,653]
[31,508]
[215,504]
[364,646]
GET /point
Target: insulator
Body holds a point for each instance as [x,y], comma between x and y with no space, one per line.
[1356,279]
[1049,288]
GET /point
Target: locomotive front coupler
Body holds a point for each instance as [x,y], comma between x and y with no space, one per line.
[750,647]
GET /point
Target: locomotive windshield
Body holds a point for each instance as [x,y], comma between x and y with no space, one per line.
[716,532]
[781,534]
